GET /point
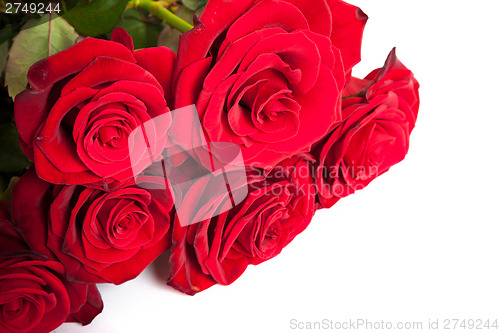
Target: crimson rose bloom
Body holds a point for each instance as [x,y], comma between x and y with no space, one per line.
[374,134]
[35,296]
[218,250]
[267,74]
[82,103]
[98,236]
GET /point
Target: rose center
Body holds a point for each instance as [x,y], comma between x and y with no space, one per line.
[110,136]
[14,306]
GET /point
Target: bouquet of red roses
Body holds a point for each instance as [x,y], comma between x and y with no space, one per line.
[220,154]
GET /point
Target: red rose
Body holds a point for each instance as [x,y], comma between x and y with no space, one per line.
[98,236]
[82,103]
[35,296]
[271,72]
[374,134]
[219,249]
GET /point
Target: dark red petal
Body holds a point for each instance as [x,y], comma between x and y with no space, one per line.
[348,25]
[48,171]
[121,36]
[185,271]
[90,309]
[230,60]
[30,207]
[314,106]
[52,136]
[195,44]
[149,59]
[31,106]
[10,240]
[115,70]
[121,272]
[296,50]
[190,83]
[318,15]
[267,14]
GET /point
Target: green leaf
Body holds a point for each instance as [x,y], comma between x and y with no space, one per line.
[191,4]
[186,14]
[11,157]
[6,195]
[4,49]
[195,5]
[96,17]
[203,3]
[12,24]
[143,33]
[38,39]
[7,33]
[169,37]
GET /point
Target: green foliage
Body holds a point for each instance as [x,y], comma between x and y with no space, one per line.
[38,39]
[96,17]
[144,34]
[191,4]
[7,33]
[6,106]
[11,24]
[12,158]
[186,14]
[196,5]
[7,193]
[169,36]
[4,49]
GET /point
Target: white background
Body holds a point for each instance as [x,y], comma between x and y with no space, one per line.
[421,242]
